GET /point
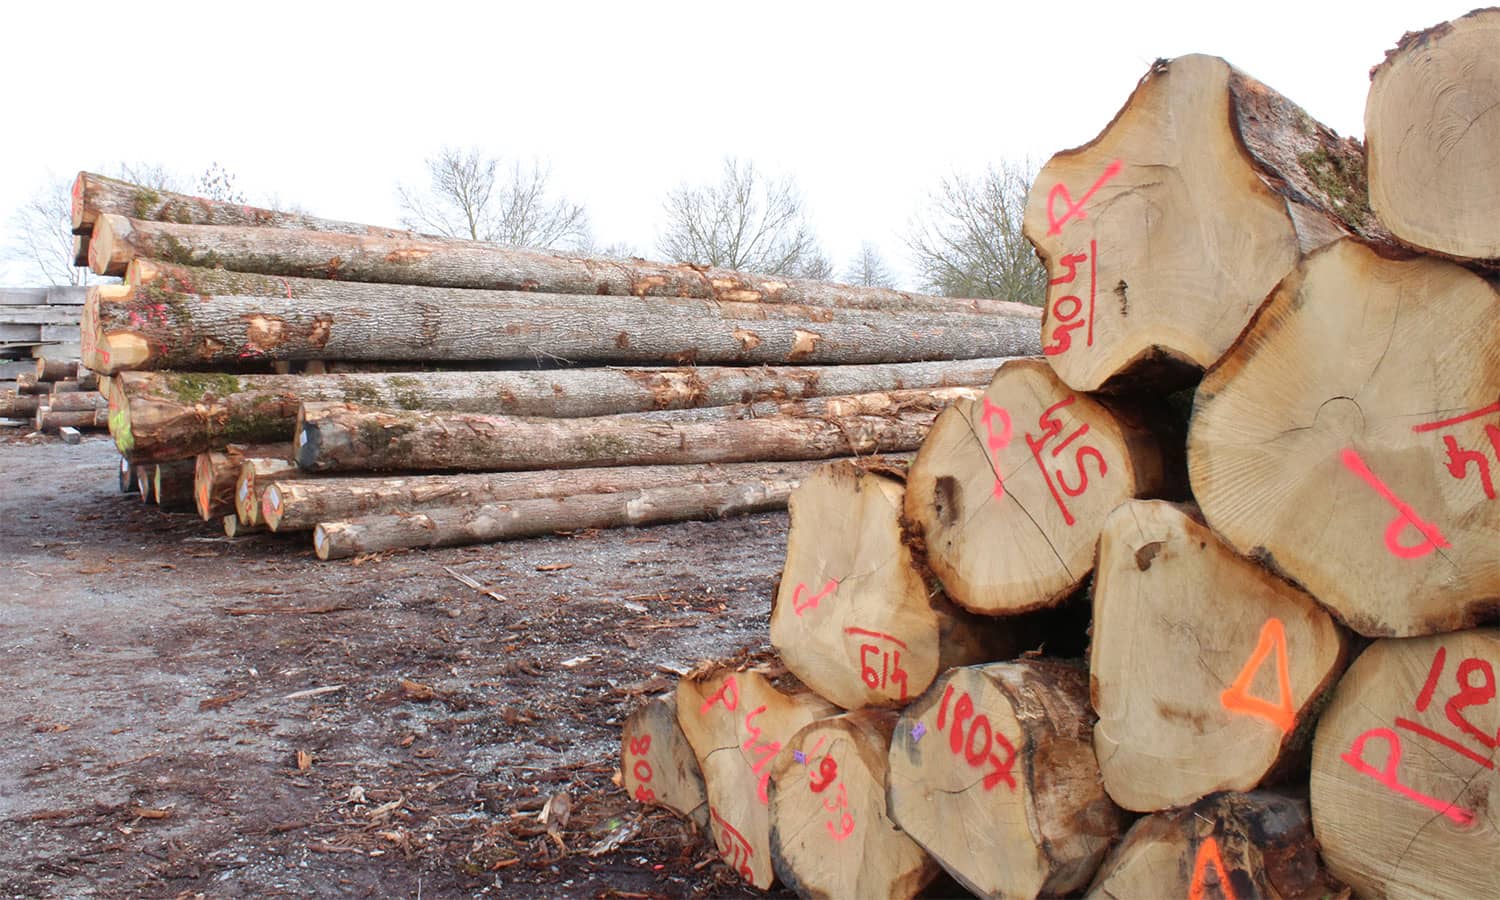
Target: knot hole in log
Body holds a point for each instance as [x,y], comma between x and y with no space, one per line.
[945,500]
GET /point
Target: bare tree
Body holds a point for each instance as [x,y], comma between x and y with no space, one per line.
[868,269]
[969,242]
[469,195]
[41,243]
[216,183]
[744,222]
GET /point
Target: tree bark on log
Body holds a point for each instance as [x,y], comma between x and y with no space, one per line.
[1351,440]
[389,258]
[657,765]
[1206,671]
[1003,752]
[16,405]
[302,504]
[96,195]
[456,526]
[830,835]
[77,401]
[332,437]
[56,369]
[1199,196]
[49,421]
[1404,782]
[32,386]
[1009,518]
[172,484]
[1432,145]
[1223,847]
[159,325]
[255,476]
[853,616]
[737,722]
[216,476]
[170,413]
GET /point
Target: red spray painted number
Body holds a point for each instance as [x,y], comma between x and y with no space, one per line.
[1237,697]
[1051,428]
[978,747]
[642,770]
[995,439]
[732,846]
[1461,459]
[1390,775]
[728,694]
[1406,517]
[800,606]
[763,751]
[1070,209]
[1066,309]
[888,652]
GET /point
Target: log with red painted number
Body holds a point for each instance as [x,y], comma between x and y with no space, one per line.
[1163,235]
[1008,493]
[1351,440]
[737,722]
[1203,666]
[657,764]
[992,770]
[853,616]
[830,835]
[1405,770]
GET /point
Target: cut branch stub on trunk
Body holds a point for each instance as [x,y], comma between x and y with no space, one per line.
[337,437]
[830,835]
[1223,847]
[1163,235]
[993,771]
[1009,491]
[657,765]
[166,319]
[737,722]
[392,258]
[1351,440]
[1204,669]
[1432,140]
[853,617]
[455,526]
[1404,769]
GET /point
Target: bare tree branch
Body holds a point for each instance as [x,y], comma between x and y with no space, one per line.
[470,196]
[868,269]
[42,236]
[969,242]
[744,222]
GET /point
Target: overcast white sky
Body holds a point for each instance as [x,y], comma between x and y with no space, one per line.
[867,105]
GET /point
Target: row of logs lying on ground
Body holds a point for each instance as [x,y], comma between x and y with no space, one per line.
[58,395]
[579,393]
[1095,642]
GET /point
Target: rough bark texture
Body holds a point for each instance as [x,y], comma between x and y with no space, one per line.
[1206,670]
[331,437]
[56,369]
[172,484]
[1351,440]
[30,385]
[49,422]
[737,722]
[830,835]
[95,195]
[657,765]
[1404,782]
[217,475]
[1433,142]
[853,616]
[159,325]
[456,526]
[1163,235]
[13,404]
[390,258]
[1223,846]
[993,771]
[172,413]
[1009,511]
[302,504]
[76,401]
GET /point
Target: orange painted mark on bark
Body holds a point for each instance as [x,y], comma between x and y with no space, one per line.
[1208,855]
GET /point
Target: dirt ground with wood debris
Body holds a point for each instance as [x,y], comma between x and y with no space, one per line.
[185,715]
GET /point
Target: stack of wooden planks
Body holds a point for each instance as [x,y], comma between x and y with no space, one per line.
[1198,603]
[382,389]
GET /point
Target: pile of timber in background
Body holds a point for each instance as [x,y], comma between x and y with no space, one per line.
[54,395]
[1077,648]
[34,322]
[462,392]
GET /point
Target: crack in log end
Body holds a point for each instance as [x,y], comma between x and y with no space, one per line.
[1120,290]
[407,257]
[1146,553]
[646,284]
[264,333]
[945,501]
[749,340]
[622,341]
[804,344]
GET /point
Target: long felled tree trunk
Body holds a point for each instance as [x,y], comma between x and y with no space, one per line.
[1163,235]
[335,437]
[165,320]
[384,257]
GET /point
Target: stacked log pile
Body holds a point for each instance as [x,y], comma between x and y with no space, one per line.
[1082,645]
[59,394]
[455,392]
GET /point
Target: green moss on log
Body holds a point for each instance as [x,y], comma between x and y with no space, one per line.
[1342,181]
[192,387]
